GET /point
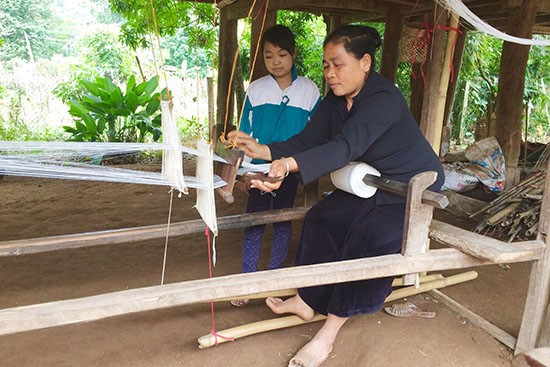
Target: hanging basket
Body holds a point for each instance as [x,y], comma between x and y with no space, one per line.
[413,45]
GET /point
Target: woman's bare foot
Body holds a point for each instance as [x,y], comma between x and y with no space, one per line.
[314,353]
[294,305]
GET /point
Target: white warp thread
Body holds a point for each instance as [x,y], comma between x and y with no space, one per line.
[172,159]
[350,179]
[458,8]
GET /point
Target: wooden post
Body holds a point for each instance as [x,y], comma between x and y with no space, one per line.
[227,49]
[211,106]
[417,92]
[259,25]
[511,82]
[417,220]
[535,328]
[390,49]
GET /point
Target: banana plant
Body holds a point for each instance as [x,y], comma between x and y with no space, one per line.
[106,113]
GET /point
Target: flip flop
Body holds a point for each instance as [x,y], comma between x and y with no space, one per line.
[408,309]
[240,302]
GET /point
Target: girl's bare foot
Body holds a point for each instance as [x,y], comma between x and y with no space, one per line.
[293,305]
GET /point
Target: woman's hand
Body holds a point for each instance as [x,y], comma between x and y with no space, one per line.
[278,170]
[249,145]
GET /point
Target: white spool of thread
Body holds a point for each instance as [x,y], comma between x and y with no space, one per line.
[350,179]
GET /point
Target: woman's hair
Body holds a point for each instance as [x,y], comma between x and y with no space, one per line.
[280,36]
[358,40]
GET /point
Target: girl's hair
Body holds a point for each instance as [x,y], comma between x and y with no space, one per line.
[280,36]
[357,40]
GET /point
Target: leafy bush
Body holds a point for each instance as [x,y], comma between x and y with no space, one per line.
[106,114]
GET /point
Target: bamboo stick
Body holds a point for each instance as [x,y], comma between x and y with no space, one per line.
[397,282]
[231,334]
[497,217]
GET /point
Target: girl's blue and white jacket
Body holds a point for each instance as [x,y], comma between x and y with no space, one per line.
[271,114]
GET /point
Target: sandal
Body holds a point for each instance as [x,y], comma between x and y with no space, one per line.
[408,309]
[240,302]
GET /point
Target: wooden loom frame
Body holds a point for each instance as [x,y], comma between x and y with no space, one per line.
[466,250]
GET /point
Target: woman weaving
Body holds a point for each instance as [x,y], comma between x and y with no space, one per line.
[363,118]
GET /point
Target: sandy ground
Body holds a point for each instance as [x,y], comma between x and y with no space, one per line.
[38,207]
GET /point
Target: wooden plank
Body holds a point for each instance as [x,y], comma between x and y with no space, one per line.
[491,329]
[118,236]
[484,247]
[19,319]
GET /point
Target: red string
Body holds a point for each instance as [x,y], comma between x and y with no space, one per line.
[213,328]
[423,42]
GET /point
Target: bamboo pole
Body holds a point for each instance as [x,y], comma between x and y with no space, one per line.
[444,83]
[397,282]
[241,331]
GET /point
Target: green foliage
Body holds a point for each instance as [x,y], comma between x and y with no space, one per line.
[185,56]
[170,16]
[192,129]
[106,113]
[102,55]
[28,20]
[310,32]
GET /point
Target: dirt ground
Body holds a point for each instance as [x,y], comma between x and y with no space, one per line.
[38,207]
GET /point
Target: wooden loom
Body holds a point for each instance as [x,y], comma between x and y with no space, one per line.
[466,249]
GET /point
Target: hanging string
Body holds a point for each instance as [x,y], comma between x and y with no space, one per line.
[213,325]
[214,22]
[150,35]
[197,76]
[264,7]
[461,10]
[157,34]
[166,239]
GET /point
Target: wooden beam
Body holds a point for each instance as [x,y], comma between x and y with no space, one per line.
[496,332]
[484,247]
[19,319]
[118,236]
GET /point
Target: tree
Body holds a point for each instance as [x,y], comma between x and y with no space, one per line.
[28,28]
